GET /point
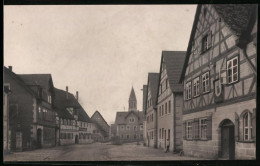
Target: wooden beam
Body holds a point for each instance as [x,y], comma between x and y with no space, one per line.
[251,65]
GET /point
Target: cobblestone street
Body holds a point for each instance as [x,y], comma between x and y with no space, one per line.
[96,152]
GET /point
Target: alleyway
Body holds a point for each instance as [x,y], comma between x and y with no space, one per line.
[95,152]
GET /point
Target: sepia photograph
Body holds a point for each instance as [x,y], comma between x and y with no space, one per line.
[169,82]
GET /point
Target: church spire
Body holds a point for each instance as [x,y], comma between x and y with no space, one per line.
[132,101]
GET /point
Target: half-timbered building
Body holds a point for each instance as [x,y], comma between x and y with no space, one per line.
[169,100]
[219,78]
[98,118]
[151,110]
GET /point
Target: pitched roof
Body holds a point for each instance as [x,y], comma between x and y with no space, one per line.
[98,113]
[61,102]
[121,116]
[238,17]
[37,79]
[19,80]
[153,80]
[174,62]
[132,95]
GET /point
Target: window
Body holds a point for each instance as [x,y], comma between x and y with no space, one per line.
[40,113]
[166,108]
[247,126]
[196,86]
[122,136]
[203,128]
[134,136]
[204,43]
[232,70]
[141,127]
[166,83]
[132,120]
[162,110]
[169,107]
[160,133]
[188,90]
[127,136]
[49,99]
[135,128]
[122,127]
[205,82]
[189,130]
[128,127]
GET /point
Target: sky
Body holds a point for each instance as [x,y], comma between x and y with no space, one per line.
[99,50]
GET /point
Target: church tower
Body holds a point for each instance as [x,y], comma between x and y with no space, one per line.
[132,101]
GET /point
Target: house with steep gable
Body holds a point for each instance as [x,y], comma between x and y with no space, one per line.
[219,78]
[98,118]
[169,100]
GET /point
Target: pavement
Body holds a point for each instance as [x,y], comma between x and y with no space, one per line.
[96,152]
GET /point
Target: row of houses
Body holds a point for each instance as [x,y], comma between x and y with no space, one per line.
[37,114]
[204,99]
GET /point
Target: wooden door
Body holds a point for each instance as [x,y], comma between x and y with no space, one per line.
[225,142]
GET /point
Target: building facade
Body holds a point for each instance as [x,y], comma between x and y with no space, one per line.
[129,125]
[151,110]
[98,118]
[169,100]
[144,108]
[74,124]
[219,77]
[31,115]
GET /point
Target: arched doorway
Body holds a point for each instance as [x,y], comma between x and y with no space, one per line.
[227,139]
[76,139]
[39,138]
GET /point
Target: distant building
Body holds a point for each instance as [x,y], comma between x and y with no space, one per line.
[129,125]
[151,110]
[219,77]
[98,119]
[170,100]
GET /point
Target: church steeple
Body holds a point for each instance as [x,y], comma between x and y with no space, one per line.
[132,101]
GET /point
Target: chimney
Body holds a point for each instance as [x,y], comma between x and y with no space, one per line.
[77,96]
[67,92]
[10,68]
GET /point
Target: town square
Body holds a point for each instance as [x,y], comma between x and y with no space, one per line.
[130,82]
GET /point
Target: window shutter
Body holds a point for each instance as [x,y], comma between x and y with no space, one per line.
[209,127]
[195,127]
[184,130]
[254,125]
[236,127]
[209,39]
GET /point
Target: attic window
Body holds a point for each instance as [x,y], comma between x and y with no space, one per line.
[204,12]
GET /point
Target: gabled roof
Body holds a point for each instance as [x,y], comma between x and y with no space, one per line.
[121,116]
[132,95]
[38,79]
[238,17]
[98,113]
[153,81]
[19,80]
[61,102]
[173,62]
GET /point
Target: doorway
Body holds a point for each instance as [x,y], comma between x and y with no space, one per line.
[227,140]
[76,139]
[39,138]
